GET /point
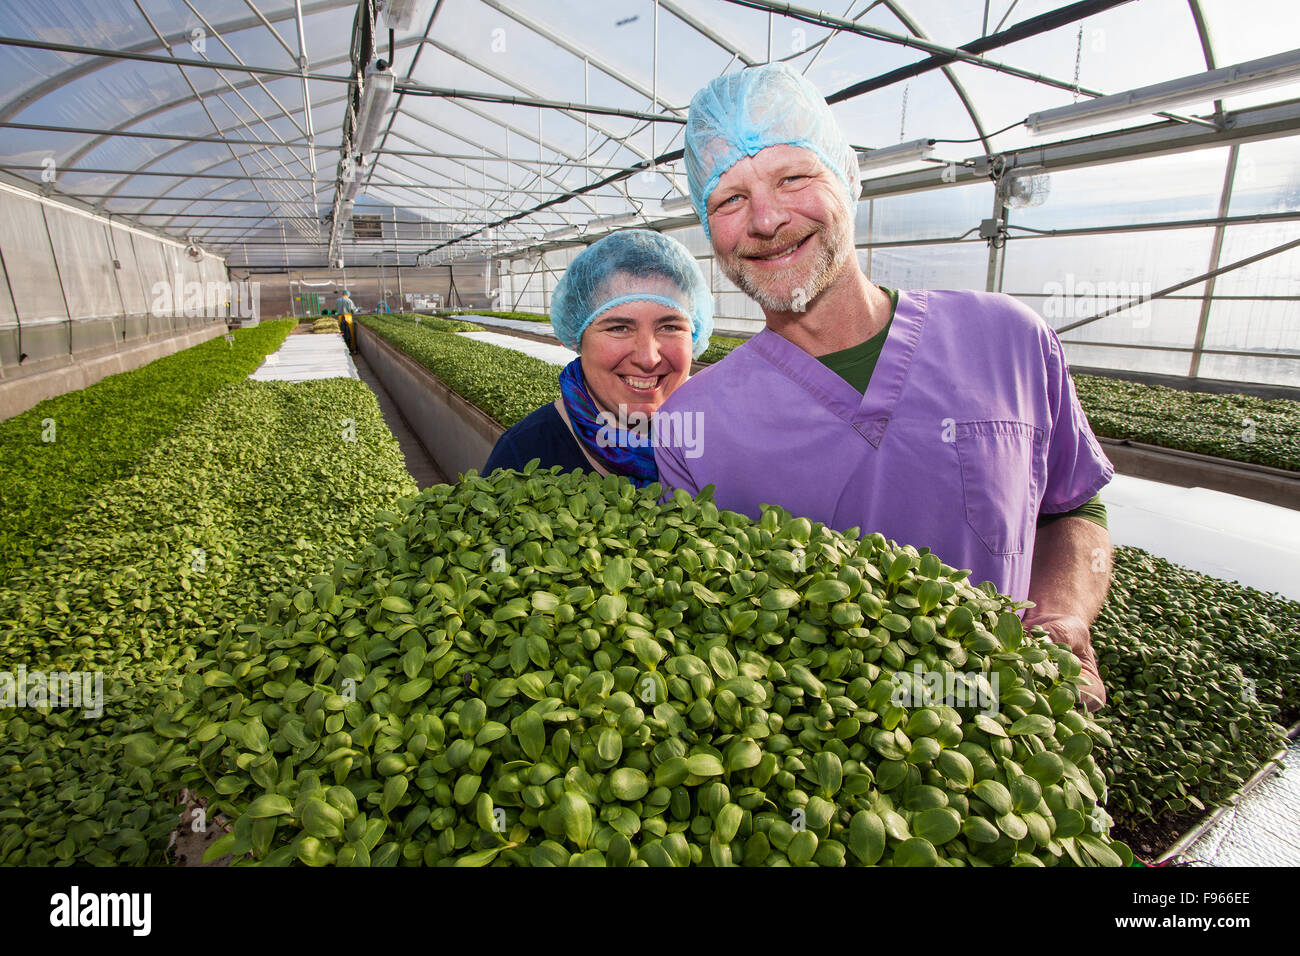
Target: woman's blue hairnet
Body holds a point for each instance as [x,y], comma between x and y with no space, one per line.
[631,266]
[739,114]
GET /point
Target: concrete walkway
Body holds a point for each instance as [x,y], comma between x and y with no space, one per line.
[419,462]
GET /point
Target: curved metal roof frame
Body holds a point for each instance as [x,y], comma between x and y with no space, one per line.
[509,194]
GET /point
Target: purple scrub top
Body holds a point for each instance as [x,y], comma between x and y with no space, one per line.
[969,428]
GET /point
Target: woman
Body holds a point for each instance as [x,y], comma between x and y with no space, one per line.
[636,309]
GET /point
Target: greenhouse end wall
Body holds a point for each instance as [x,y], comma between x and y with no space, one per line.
[464,285]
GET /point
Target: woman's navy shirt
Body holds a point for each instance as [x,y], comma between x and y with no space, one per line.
[543,435]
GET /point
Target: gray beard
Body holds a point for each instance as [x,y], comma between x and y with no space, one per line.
[823,271]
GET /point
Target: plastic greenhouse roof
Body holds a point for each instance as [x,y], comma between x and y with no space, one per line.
[222,120]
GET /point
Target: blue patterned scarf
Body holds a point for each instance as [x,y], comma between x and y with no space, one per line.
[620,452]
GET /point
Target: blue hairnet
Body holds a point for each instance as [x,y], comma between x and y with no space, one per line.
[739,114]
[633,265]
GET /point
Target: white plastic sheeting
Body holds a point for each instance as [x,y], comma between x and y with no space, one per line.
[303,358]
[519,325]
[62,297]
[1262,829]
[552,354]
[223,154]
[1226,536]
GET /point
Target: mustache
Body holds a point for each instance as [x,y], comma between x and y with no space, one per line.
[780,242]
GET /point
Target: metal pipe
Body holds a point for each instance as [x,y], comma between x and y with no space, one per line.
[420,89]
[168,60]
[1240,263]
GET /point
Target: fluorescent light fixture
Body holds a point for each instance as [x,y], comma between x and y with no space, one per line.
[400,13]
[612,222]
[378,91]
[562,233]
[672,207]
[351,186]
[896,155]
[1242,78]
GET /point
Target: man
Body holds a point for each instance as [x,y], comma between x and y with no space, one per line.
[940,419]
[344,304]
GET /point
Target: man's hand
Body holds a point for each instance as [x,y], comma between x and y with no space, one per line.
[1068,584]
[1073,633]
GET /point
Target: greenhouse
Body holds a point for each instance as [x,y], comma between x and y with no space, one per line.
[650,433]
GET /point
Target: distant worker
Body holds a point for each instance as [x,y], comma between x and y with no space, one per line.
[347,325]
[345,308]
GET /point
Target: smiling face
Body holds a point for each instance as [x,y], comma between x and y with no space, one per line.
[781,227]
[635,355]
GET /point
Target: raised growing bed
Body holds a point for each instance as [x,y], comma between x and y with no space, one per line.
[1225,426]
[505,384]
[54,455]
[259,489]
[1192,470]
[1192,631]
[457,435]
[1202,677]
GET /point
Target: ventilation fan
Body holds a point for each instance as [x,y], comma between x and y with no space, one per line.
[193,251]
[1023,190]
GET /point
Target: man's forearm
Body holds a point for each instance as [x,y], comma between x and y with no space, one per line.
[1071,569]
[1068,583]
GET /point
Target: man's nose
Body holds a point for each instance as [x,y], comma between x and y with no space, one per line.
[767,212]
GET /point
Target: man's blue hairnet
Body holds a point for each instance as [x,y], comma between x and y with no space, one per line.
[739,114]
[634,265]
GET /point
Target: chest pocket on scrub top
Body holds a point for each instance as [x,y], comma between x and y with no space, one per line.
[1000,478]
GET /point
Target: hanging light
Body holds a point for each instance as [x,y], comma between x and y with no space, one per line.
[896,155]
[1246,77]
[378,90]
[612,222]
[399,13]
[352,185]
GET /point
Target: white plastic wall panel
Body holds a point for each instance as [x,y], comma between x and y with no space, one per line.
[129,281]
[85,265]
[29,260]
[155,280]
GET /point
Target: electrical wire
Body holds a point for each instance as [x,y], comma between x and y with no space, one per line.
[976,139]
